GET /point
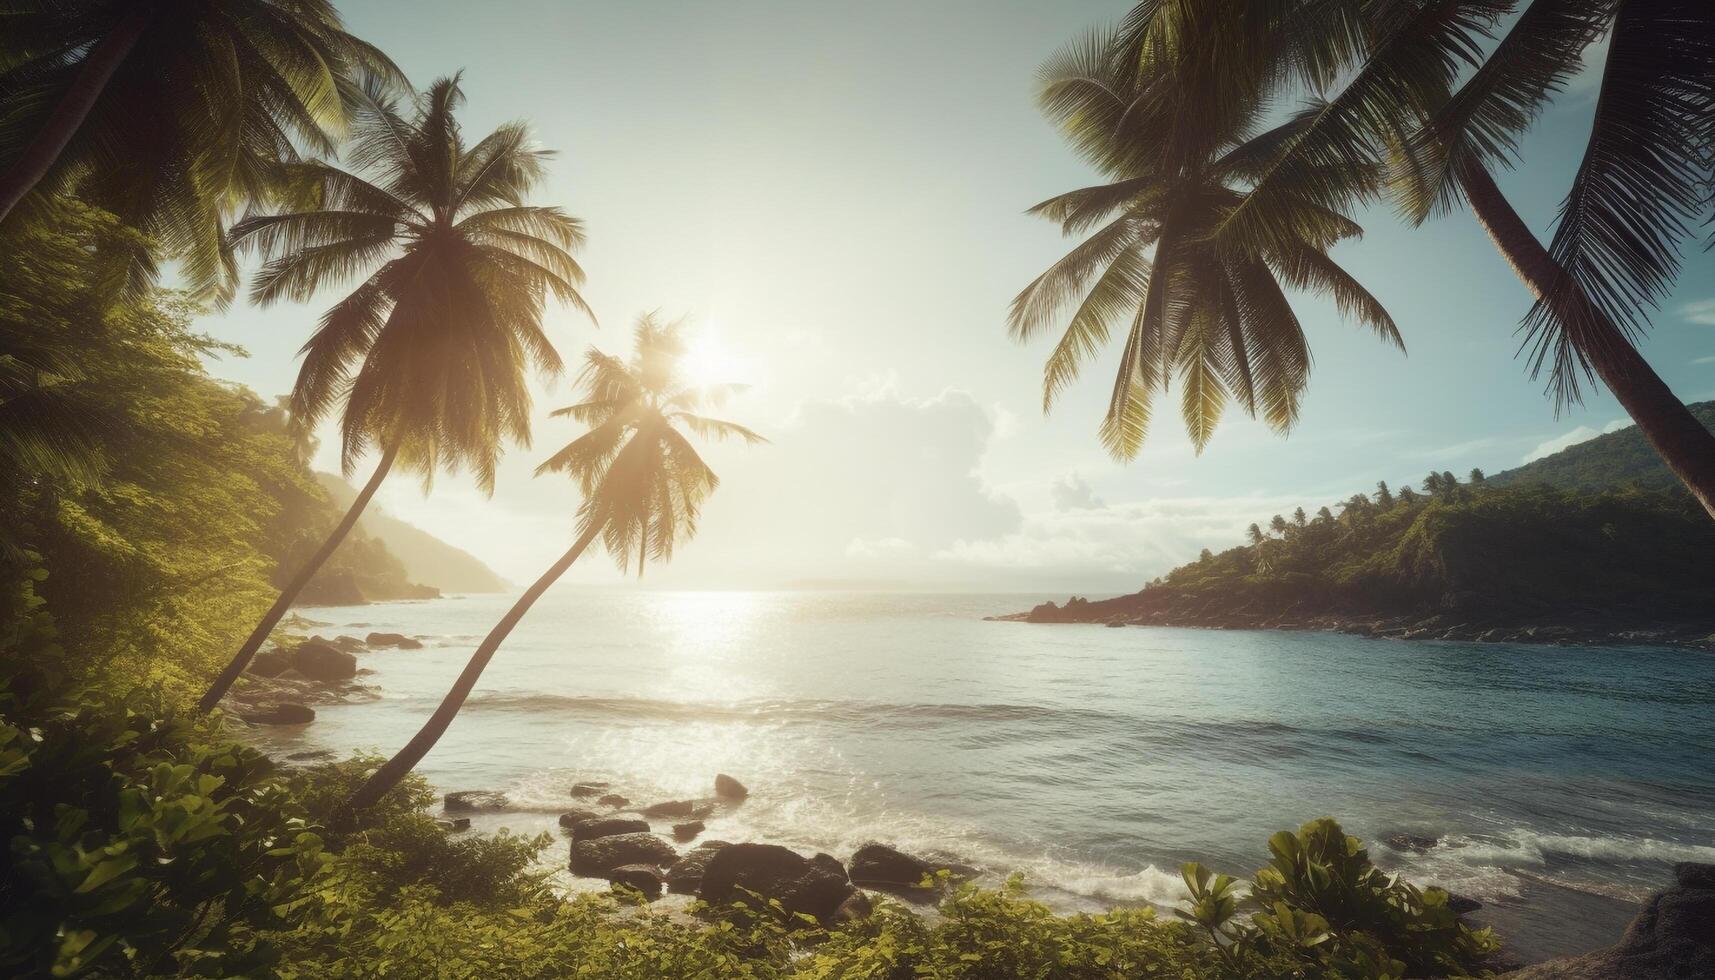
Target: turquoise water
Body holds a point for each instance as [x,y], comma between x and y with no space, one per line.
[1562,782]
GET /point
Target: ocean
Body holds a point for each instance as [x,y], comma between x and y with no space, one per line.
[1561,783]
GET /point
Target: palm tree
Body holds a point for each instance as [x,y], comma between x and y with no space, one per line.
[1277,524]
[430,352]
[642,482]
[170,115]
[1299,518]
[1432,484]
[1218,317]
[1384,496]
[1477,475]
[1640,191]
[1254,534]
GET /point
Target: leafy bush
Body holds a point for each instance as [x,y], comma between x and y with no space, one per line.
[139,845]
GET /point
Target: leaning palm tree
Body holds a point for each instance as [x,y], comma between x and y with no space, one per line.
[642,482]
[1219,318]
[428,357]
[171,115]
[1441,95]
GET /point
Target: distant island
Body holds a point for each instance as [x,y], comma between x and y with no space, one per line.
[1593,544]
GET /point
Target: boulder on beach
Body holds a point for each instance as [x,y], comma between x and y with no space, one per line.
[585,790]
[607,827]
[323,662]
[637,877]
[474,800]
[271,662]
[882,865]
[814,886]
[279,713]
[688,831]
[685,875]
[348,643]
[728,788]
[855,908]
[614,800]
[571,818]
[399,640]
[593,858]
[1671,939]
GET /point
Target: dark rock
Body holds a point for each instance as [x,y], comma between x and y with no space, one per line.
[399,640]
[637,877]
[454,825]
[813,886]
[571,818]
[679,808]
[593,858]
[348,643]
[1462,904]
[614,800]
[279,713]
[608,827]
[323,662]
[270,663]
[684,832]
[728,788]
[1673,938]
[1412,843]
[685,875]
[313,755]
[466,800]
[855,908]
[582,790]
[1115,624]
[879,864]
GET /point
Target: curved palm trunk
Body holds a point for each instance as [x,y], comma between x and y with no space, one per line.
[407,758]
[289,594]
[62,124]
[1683,443]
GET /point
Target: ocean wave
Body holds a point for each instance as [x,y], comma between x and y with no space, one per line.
[1533,848]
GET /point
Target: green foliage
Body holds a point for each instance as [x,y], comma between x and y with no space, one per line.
[142,844]
[1609,461]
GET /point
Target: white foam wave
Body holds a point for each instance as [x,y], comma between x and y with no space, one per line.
[1531,848]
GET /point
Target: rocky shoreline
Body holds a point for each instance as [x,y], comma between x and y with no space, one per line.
[1144,609]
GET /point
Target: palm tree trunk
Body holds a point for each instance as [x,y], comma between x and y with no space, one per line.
[395,768]
[1683,443]
[67,117]
[289,594]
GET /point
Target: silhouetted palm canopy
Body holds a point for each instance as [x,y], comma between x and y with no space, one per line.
[1425,92]
[172,114]
[642,481]
[429,353]
[1218,317]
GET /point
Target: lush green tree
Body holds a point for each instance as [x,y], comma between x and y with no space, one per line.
[1384,496]
[170,115]
[429,354]
[1324,516]
[643,485]
[1299,518]
[1407,496]
[1433,484]
[1254,534]
[1476,475]
[1277,524]
[1175,164]
[1426,99]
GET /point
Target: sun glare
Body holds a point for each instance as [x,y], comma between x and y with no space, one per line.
[707,361]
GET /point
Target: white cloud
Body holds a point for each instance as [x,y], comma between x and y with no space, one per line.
[1703,360]
[1582,433]
[1702,311]
[1073,492]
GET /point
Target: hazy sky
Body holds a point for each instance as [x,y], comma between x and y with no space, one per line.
[835,192]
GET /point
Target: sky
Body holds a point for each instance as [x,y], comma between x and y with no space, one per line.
[835,195]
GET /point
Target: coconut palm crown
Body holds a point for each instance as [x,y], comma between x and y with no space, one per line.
[1217,317]
[429,353]
[642,481]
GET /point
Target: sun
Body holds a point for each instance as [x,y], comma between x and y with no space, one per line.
[708,361]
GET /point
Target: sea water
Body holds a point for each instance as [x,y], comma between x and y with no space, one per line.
[1561,783]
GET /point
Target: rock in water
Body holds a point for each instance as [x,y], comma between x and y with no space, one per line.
[685,875]
[814,886]
[474,799]
[323,662]
[728,788]
[608,827]
[571,818]
[638,877]
[1673,938]
[1412,843]
[614,800]
[686,832]
[455,825]
[583,790]
[279,713]
[879,864]
[679,808]
[399,640]
[593,858]
[853,909]
[270,663]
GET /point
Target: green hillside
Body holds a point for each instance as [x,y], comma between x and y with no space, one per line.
[424,557]
[1611,460]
